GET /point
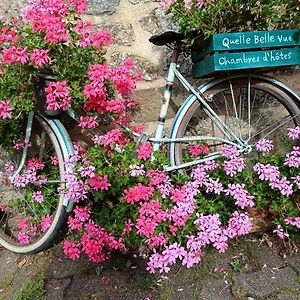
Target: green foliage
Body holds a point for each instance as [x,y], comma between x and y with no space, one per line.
[235,15]
[237,266]
[33,289]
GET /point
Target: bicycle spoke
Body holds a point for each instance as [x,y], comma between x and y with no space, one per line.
[248,108]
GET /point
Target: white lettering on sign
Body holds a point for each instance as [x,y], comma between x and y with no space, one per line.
[263,39]
[276,56]
[241,40]
[255,58]
[281,38]
[224,61]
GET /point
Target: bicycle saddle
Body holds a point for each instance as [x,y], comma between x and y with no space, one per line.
[166,38]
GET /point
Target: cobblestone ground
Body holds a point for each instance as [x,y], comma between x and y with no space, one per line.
[255,267]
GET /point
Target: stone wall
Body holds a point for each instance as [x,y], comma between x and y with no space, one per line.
[132,22]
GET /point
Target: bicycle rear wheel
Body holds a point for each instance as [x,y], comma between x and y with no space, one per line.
[31,204]
[252,108]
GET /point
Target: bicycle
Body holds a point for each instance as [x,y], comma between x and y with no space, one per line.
[236,109]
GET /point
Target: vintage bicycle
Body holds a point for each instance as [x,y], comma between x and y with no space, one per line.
[234,109]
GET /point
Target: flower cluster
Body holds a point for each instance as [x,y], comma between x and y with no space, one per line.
[170,219]
[53,54]
[198,18]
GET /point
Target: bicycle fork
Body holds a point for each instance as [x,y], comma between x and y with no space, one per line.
[26,145]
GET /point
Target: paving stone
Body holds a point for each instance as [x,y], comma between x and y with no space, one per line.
[289,296]
[122,33]
[265,282]
[63,268]
[56,288]
[268,257]
[149,23]
[294,262]
[100,7]
[10,8]
[216,289]
[140,1]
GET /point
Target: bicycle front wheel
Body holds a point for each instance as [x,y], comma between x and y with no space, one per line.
[31,202]
[251,108]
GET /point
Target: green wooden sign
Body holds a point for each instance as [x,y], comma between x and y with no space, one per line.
[249,40]
[247,50]
[226,61]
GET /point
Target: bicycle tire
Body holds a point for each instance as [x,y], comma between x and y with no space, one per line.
[267,98]
[43,137]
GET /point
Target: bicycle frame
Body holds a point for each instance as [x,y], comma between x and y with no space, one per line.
[158,140]
[230,137]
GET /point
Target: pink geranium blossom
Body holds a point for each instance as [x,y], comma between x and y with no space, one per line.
[38,196]
[40,57]
[5,109]
[144,151]
[58,95]
[99,182]
[72,250]
[264,145]
[196,150]
[88,122]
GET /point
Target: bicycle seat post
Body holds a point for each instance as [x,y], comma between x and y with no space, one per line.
[167,95]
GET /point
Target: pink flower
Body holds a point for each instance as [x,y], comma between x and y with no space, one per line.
[14,54]
[2,207]
[239,224]
[124,78]
[71,250]
[19,144]
[114,136]
[89,122]
[166,3]
[54,160]
[23,238]
[280,232]
[144,151]
[242,197]
[82,213]
[46,223]
[293,221]
[191,258]
[138,193]
[58,95]
[101,38]
[79,5]
[266,172]
[5,109]
[229,151]
[128,227]
[294,133]
[77,190]
[99,182]
[136,170]
[40,57]
[22,224]
[74,224]
[38,196]
[234,165]
[35,164]
[264,145]
[196,150]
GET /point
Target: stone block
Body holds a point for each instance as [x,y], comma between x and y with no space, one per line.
[100,7]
